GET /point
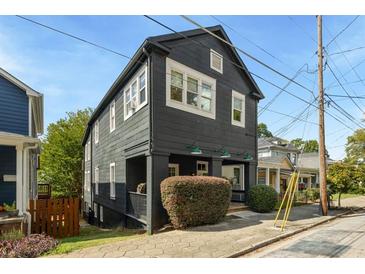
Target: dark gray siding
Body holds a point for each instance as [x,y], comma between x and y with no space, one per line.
[13,108]
[175,129]
[7,167]
[130,138]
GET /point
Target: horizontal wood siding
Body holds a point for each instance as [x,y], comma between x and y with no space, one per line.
[174,129]
[130,137]
[13,108]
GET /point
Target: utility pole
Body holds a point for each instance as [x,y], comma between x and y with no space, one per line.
[322,146]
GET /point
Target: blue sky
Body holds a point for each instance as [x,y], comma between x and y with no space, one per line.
[73,75]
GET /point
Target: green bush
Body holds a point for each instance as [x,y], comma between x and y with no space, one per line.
[195,200]
[262,198]
[312,194]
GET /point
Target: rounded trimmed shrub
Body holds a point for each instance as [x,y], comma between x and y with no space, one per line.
[262,198]
[195,200]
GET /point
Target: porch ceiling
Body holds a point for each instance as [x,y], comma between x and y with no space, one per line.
[12,139]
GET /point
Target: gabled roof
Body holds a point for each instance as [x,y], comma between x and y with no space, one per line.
[155,42]
[275,142]
[275,161]
[38,98]
[218,30]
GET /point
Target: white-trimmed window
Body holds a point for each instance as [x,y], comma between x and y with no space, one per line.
[101,213]
[135,93]
[89,150]
[112,180]
[86,152]
[189,90]
[87,181]
[112,116]
[97,180]
[202,168]
[96,131]
[95,210]
[238,109]
[173,169]
[216,61]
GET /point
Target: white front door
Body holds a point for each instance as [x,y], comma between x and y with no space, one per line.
[173,170]
[201,168]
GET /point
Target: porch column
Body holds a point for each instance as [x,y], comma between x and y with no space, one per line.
[157,170]
[19,178]
[250,175]
[277,181]
[267,180]
[216,167]
[309,182]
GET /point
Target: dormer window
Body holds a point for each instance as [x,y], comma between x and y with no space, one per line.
[216,61]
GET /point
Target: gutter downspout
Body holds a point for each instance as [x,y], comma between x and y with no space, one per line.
[28,217]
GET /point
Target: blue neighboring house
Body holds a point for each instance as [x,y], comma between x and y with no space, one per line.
[21,122]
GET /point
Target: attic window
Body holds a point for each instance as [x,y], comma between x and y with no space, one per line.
[216,61]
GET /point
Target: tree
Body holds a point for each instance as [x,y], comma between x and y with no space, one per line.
[355,147]
[62,154]
[342,178]
[262,131]
[309,145]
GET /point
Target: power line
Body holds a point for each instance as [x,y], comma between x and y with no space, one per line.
[74,37]
[342,31]
[288,115]
[345,51]
[127,57]
[245,53]
[334,75]
[300,27]
[345,96]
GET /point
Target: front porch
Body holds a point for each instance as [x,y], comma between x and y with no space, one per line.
[18,159]
[146,208]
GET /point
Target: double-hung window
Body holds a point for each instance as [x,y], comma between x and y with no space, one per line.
[97,180]
[189,90]
[238,109]
[96,131]
[112,116]
[135,93]
[216,61]
[112,180]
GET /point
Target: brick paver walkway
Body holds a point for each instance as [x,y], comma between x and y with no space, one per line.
[238,231]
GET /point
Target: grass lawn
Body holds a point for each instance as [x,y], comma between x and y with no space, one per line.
[93,236]
[344,196]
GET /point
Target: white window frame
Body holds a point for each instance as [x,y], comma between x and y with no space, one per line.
[101,213]
[212,53]
[176,166]
[87,181]
[198,172]
[95,210]
[112,180]
[96,131]
[97,178]
[241,97]
[89,150]
[128,86]
[112,116]
[86,151]
[172,65]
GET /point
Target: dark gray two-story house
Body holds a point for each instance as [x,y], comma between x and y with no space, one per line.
[184,105]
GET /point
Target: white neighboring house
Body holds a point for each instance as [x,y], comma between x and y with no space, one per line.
[21,122]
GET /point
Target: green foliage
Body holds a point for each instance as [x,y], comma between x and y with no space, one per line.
[312,194]
[195,200]
[93,236]
[62,154]
[343,177]
[262,198]
[13,234]
[8,207]
[262,131]
[355,147]
[309,145]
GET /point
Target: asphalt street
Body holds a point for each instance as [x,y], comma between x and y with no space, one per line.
[341,238]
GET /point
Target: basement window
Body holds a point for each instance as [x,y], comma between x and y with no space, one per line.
[112,180]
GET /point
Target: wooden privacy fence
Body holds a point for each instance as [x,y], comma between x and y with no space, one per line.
[58,218]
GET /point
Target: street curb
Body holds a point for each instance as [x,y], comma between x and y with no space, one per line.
[286,235]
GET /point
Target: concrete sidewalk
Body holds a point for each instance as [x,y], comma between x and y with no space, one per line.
[238,232]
